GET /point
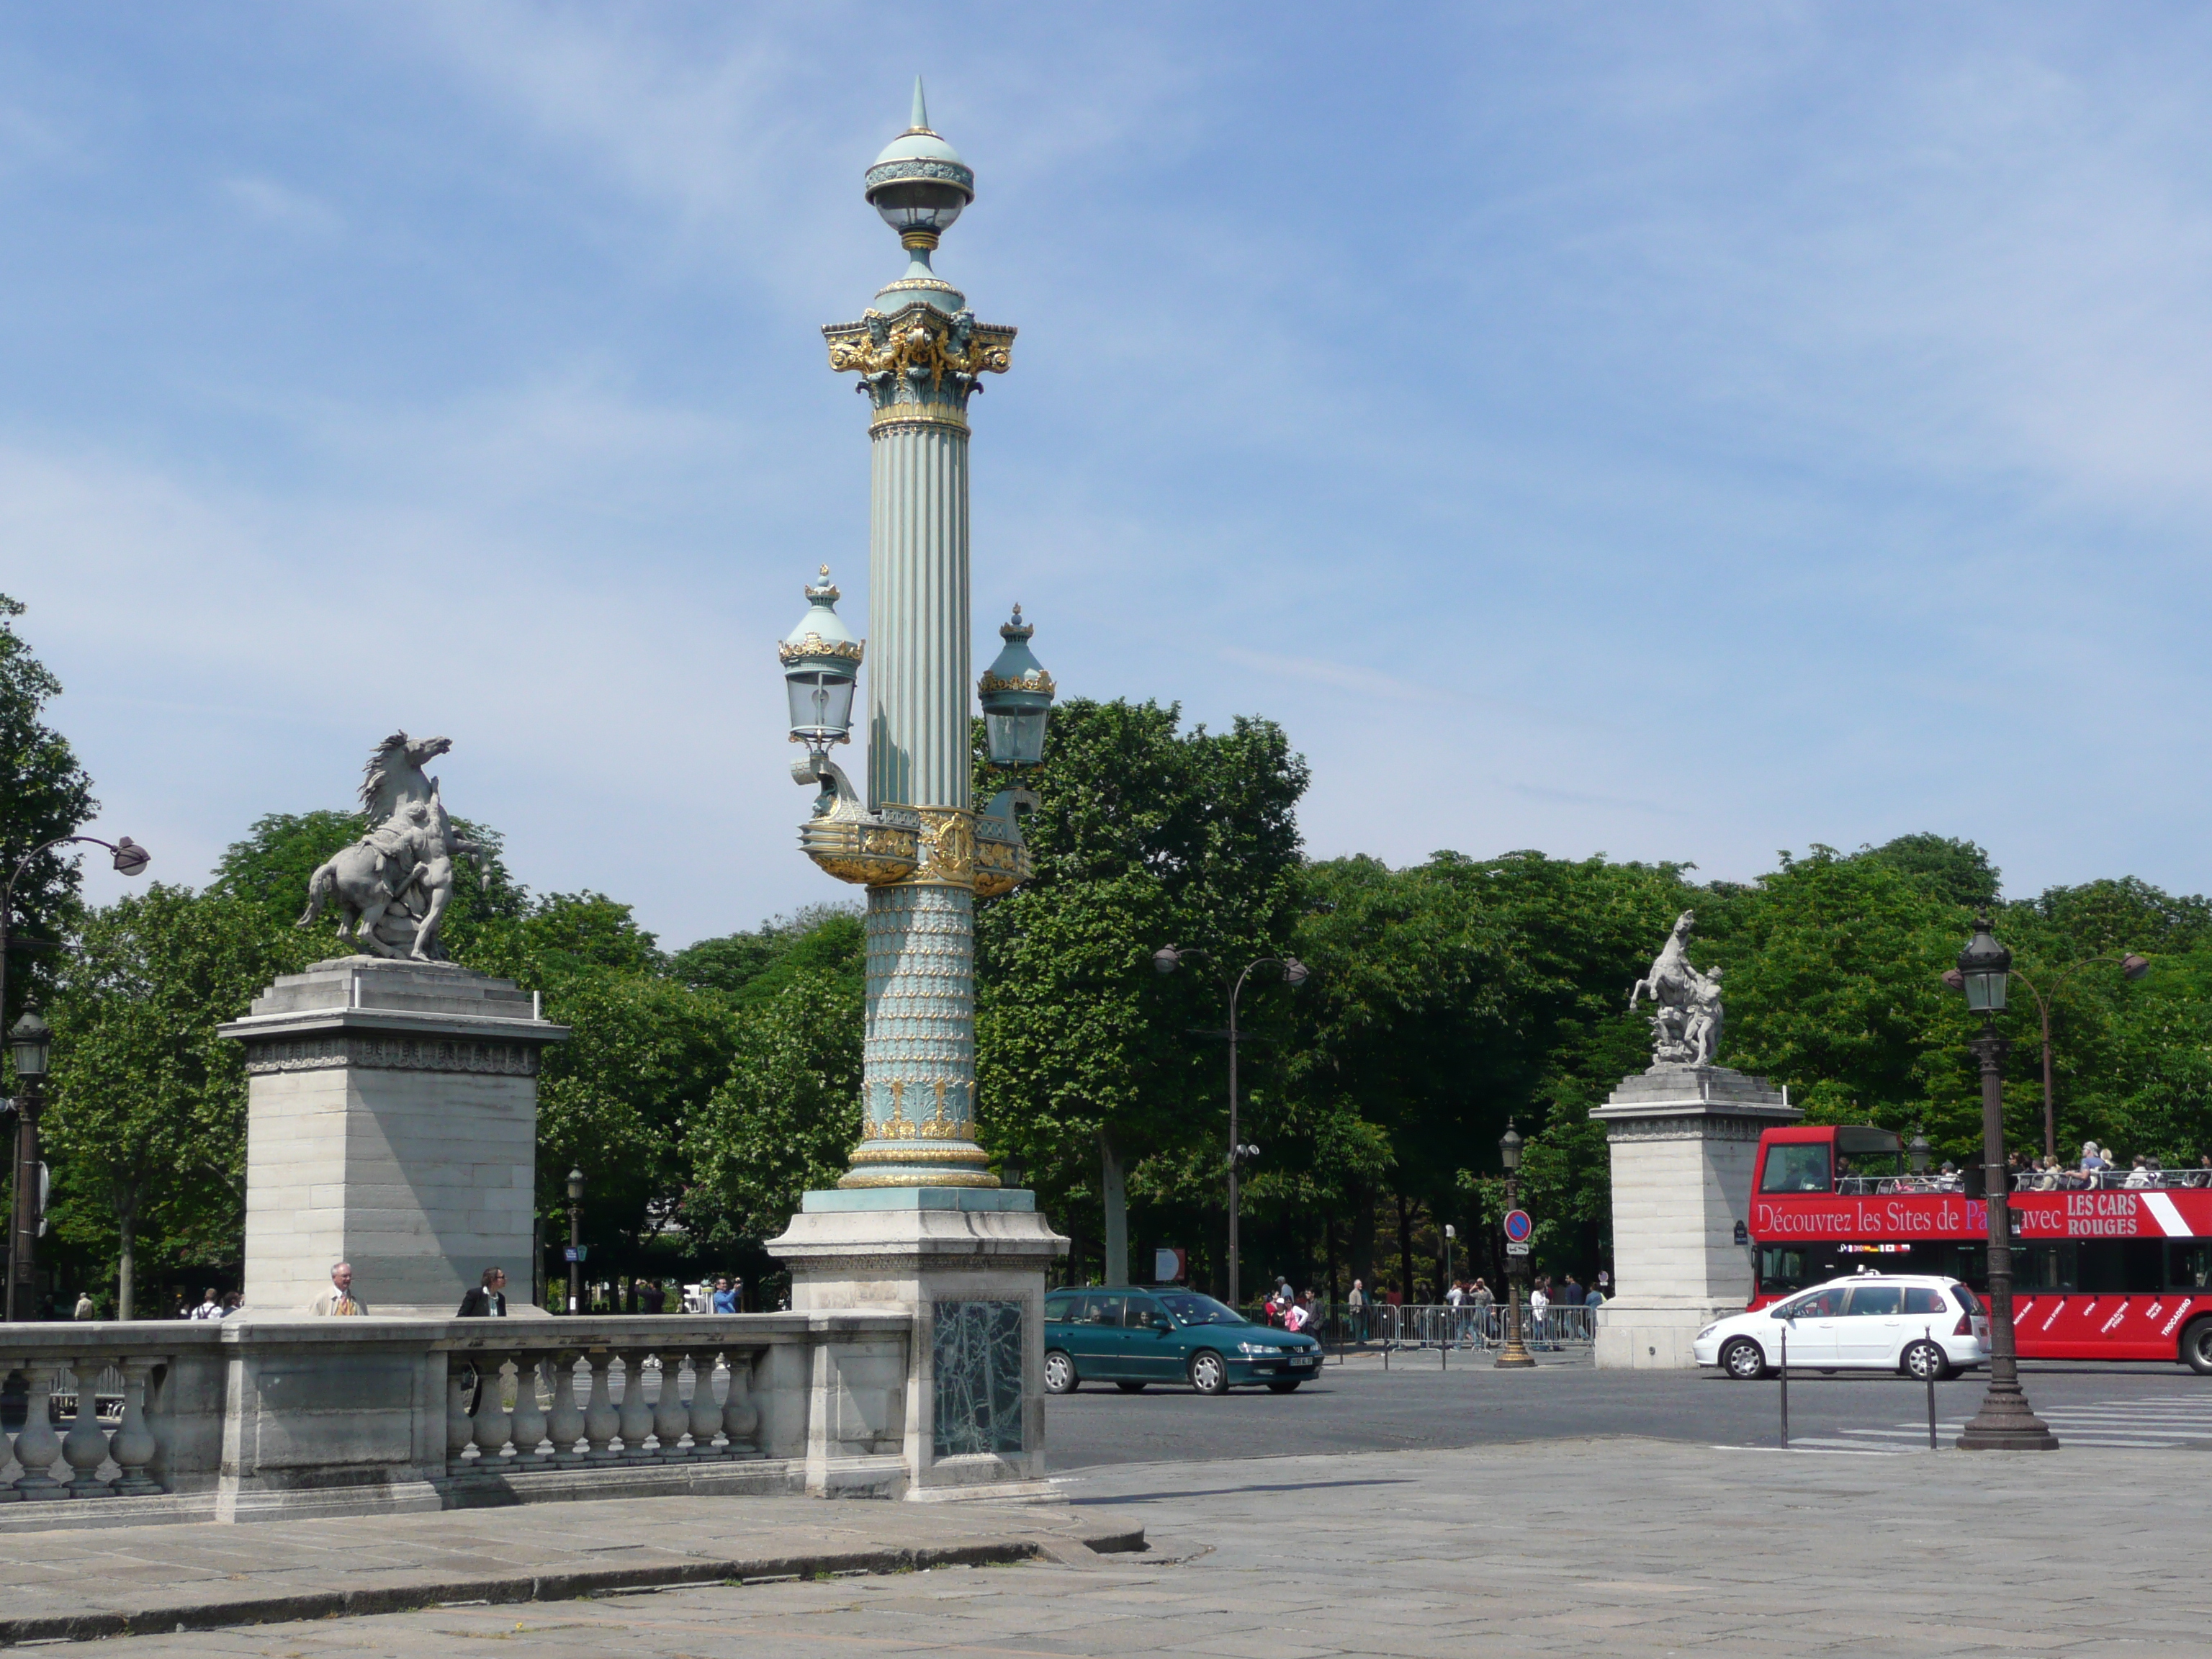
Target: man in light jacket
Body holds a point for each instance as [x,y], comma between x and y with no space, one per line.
[339,1298]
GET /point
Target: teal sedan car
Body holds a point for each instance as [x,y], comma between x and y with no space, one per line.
[1131,1338]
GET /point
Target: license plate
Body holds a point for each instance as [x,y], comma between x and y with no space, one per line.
[1302,1359]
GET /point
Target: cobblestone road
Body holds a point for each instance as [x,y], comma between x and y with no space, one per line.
[1623,1547]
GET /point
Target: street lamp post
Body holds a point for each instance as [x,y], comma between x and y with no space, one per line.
[1515,1353]
[129,857]
[575,1241]
[29,1039]
[2005,1421]
[1166,960]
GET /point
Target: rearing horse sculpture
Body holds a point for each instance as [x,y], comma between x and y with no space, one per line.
[1672,979]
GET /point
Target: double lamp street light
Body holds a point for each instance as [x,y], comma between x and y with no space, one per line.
[1166,960]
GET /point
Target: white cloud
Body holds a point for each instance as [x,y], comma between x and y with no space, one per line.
[273,203]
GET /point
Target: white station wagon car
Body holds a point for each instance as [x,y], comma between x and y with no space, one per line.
[1921,1326]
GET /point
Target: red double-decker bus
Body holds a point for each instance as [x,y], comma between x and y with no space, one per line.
[2100,1271]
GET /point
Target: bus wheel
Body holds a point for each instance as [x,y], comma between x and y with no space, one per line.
[1924,1360]
[1742,1360]
[2196,1347]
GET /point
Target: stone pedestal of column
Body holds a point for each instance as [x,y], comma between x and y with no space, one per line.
[969,1263]
[1682,1140]
[391,1122]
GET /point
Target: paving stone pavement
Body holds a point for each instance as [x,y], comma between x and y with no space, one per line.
[81,1583]
[1621,1546]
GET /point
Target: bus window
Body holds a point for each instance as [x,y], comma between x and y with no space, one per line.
[2188,1266]
[2040,1267]
[2123,1265]
[1793,1167]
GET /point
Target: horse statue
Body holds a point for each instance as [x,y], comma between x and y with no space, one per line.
[1686,1015]
[1671,978]
[394,776]
[392,887]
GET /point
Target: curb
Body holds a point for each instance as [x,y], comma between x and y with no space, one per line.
[280,1608]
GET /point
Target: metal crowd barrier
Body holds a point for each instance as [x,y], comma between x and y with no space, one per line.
[1439,1325]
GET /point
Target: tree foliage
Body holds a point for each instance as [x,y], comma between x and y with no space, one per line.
[44,794]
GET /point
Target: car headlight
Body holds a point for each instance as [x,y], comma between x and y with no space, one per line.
[1256,1347]
[1707,1332]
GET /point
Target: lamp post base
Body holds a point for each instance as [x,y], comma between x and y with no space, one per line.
[1513,1356]
[2005,1422]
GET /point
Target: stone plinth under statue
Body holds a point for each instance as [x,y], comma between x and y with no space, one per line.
[391,1122]
[1682,1140]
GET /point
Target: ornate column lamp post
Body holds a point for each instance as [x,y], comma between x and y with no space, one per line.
[1166,960]
[28,1041]
[919,1220]
[913,838]
[1515,1352]
[2005,1422]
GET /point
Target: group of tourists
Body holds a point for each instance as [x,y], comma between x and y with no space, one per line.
[2100,1167]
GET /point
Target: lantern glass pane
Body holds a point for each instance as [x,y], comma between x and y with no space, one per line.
[30,1059]
[1017,737]
[919,205]
[1985,992]
[821,703]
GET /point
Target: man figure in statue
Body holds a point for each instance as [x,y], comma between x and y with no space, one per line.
[1702,1035]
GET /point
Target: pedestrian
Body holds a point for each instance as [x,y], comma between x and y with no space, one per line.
[232,1304]
[1294,1316]
[210,1305]
[1312,1305]
[1355,1311]
[651,1298]
[726,1297]
[1540,1307]
[1594,1300]
[1570,1293]
[487,1300]
[84,1307]
[339,1298]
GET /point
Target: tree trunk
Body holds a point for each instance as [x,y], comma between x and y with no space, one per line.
[1114,1198]
[1328,1247]
[1405,1250]
[126,1261]
[1362,1243]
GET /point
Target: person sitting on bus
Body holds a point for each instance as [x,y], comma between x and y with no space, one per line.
[2047,1175]
[1946,1179]
[2093,1163]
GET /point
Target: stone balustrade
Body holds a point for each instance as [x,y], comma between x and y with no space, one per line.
[251,1418]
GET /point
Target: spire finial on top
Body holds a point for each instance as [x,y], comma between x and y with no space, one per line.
[921,109]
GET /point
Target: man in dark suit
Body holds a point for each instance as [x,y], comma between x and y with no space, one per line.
[489,1299]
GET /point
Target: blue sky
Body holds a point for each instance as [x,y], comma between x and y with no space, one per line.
[1674,432]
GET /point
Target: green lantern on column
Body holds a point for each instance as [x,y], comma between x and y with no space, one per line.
[1017,697]
[821,666]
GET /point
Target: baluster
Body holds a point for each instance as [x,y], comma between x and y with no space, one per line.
[601,1422]
[134,1445]
[85,1448]
[670,1418]
[529,1415]
[38,1446]
[489,1427]
[705,1410]
[740,1417]
[565,1423]
[458,1429]
[637,1416]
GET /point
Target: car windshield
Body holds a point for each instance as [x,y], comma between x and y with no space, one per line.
[1191,1308]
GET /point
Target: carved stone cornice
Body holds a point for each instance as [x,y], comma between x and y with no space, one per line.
[388,1051]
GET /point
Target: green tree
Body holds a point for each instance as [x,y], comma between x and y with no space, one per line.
[44,793]
[147,1128]
[1144,835]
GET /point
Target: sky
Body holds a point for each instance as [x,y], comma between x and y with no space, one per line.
[1675,433]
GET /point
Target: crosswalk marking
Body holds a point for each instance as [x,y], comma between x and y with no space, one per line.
[2156,1424]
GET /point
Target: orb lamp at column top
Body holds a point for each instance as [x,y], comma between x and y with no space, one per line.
[919,184]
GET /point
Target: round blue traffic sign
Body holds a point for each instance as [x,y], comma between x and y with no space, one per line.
[1518,1227]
